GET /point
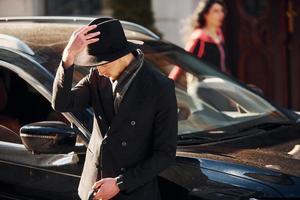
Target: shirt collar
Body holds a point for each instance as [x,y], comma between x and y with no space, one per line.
[133,65]
[129,70]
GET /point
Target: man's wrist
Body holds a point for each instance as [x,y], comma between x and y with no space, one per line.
[120,182]
[67,59]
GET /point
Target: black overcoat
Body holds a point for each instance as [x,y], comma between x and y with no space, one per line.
[141,139]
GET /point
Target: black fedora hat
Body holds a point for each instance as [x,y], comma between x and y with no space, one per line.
[112,44]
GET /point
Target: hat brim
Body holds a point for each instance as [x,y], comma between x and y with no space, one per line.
[84,59]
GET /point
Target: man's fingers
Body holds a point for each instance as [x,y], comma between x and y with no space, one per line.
[98,184]
[87,29]
[90,41]
[79,29]
[99,195]
[91,35]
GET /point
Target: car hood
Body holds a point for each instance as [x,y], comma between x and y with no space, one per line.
[277,150]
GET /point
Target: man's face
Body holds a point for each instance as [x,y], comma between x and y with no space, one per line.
[113,69]
[109,69]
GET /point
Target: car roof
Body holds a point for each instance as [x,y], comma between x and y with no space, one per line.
[24,33]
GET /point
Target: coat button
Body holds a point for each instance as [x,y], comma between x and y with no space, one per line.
[122,169]
[124,144]
[132,123]
[104,142]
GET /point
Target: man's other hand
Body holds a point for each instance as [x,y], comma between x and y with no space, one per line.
[106,189]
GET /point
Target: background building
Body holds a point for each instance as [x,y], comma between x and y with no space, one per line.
[21,7]
[264,46]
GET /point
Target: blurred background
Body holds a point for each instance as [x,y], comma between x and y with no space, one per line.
[263,36]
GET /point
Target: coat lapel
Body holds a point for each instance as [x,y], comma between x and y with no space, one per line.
[97,103]
[133,98]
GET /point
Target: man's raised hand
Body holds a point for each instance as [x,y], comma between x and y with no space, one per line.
[77,42]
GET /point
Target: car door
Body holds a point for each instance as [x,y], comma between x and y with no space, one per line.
[42,176]
[23,174]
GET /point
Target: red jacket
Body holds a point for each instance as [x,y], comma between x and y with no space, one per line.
[207,49]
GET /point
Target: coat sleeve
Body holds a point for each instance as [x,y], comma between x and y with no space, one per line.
[164,144]
[64,97]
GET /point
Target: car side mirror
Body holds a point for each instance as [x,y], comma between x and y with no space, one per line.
[298,114]
[48,137]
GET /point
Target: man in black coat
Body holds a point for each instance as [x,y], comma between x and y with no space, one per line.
[135,113]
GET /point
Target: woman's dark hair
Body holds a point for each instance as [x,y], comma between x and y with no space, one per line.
[197,19]
[204,9]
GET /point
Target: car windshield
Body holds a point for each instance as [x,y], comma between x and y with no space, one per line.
[208,100]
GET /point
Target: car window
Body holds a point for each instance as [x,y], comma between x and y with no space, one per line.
[21,104]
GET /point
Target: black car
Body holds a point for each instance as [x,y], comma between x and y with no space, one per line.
[232,142]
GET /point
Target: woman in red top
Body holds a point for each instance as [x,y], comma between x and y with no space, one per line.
[206,40]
